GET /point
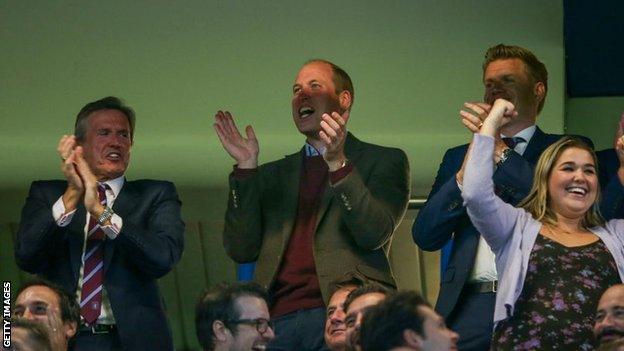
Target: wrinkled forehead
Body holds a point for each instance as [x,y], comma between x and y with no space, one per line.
[37,294]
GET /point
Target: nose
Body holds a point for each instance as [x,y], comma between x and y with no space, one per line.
[579,175]
[454,336]
[28,315]
[337,317]
[269,334]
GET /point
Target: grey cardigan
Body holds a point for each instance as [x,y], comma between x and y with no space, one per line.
[511,231]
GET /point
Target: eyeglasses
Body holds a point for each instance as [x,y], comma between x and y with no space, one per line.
[261,324]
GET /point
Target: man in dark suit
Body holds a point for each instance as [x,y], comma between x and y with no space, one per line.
[469,280]
[312,216]
[104,237]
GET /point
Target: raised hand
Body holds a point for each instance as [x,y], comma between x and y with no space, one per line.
[75,187]
[91,197]
[333,134]
[501,113]
[243,150]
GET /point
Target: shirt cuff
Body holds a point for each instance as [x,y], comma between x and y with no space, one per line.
[61,218]
[340,173]
[243,173]
[113,230]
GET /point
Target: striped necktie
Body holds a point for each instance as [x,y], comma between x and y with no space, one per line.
[93,262]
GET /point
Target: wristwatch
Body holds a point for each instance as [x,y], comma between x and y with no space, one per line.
[105,216]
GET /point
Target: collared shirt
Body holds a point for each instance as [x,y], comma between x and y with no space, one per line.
[484,268]
[112,231]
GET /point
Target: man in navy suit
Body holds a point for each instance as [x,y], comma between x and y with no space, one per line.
[469,279]
[104,237]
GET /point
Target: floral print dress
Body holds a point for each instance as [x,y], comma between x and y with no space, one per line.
[556,308]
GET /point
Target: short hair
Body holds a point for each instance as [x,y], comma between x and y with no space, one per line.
[38,335]
[535,68]
[107,103]
[70,311]
[383,325]
[219,303]
[363,290]
[341,78]
[537,202]
[346,280]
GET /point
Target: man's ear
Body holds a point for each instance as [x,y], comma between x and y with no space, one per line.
[412,339]
[345,99]
[220,331]
[70,329]
[540,91]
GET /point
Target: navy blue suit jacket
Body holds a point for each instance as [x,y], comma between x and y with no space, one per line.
[444,217]
[149,245]
[612,205]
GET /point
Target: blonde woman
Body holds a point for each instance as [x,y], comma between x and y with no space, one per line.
[555,255]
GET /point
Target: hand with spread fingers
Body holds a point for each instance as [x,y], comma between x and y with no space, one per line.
[243,150]
[333,134]
[75,187]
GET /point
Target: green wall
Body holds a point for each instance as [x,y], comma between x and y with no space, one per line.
[413,63]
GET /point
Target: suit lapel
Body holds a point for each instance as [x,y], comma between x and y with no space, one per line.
[76,239]
[289,177]
[536,146]
[123,206]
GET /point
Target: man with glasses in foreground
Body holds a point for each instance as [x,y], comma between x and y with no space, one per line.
[234,317]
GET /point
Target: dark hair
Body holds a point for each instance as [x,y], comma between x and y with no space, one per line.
[535,68]
[107,103]
[219,303]
[341,78]
[70,311]
[363,290]
[349,279]
[383,325]
[37,335]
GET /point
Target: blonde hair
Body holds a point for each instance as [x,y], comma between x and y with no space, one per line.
[537,203]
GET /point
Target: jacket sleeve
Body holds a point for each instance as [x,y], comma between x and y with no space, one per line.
[492,217]
[437,220]
[372,208]
[242,234]
[39,238]
[155,243]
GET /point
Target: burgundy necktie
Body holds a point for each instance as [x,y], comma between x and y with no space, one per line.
[93,262]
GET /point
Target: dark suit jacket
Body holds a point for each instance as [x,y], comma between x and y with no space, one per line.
[444,217]
[612,205]
[355,221]
[149,245]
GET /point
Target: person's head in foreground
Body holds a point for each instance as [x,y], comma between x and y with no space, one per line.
[357,302]
[335,329]
[609,324]
[405,321]
[28,335]
[234,317]
[46,303]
